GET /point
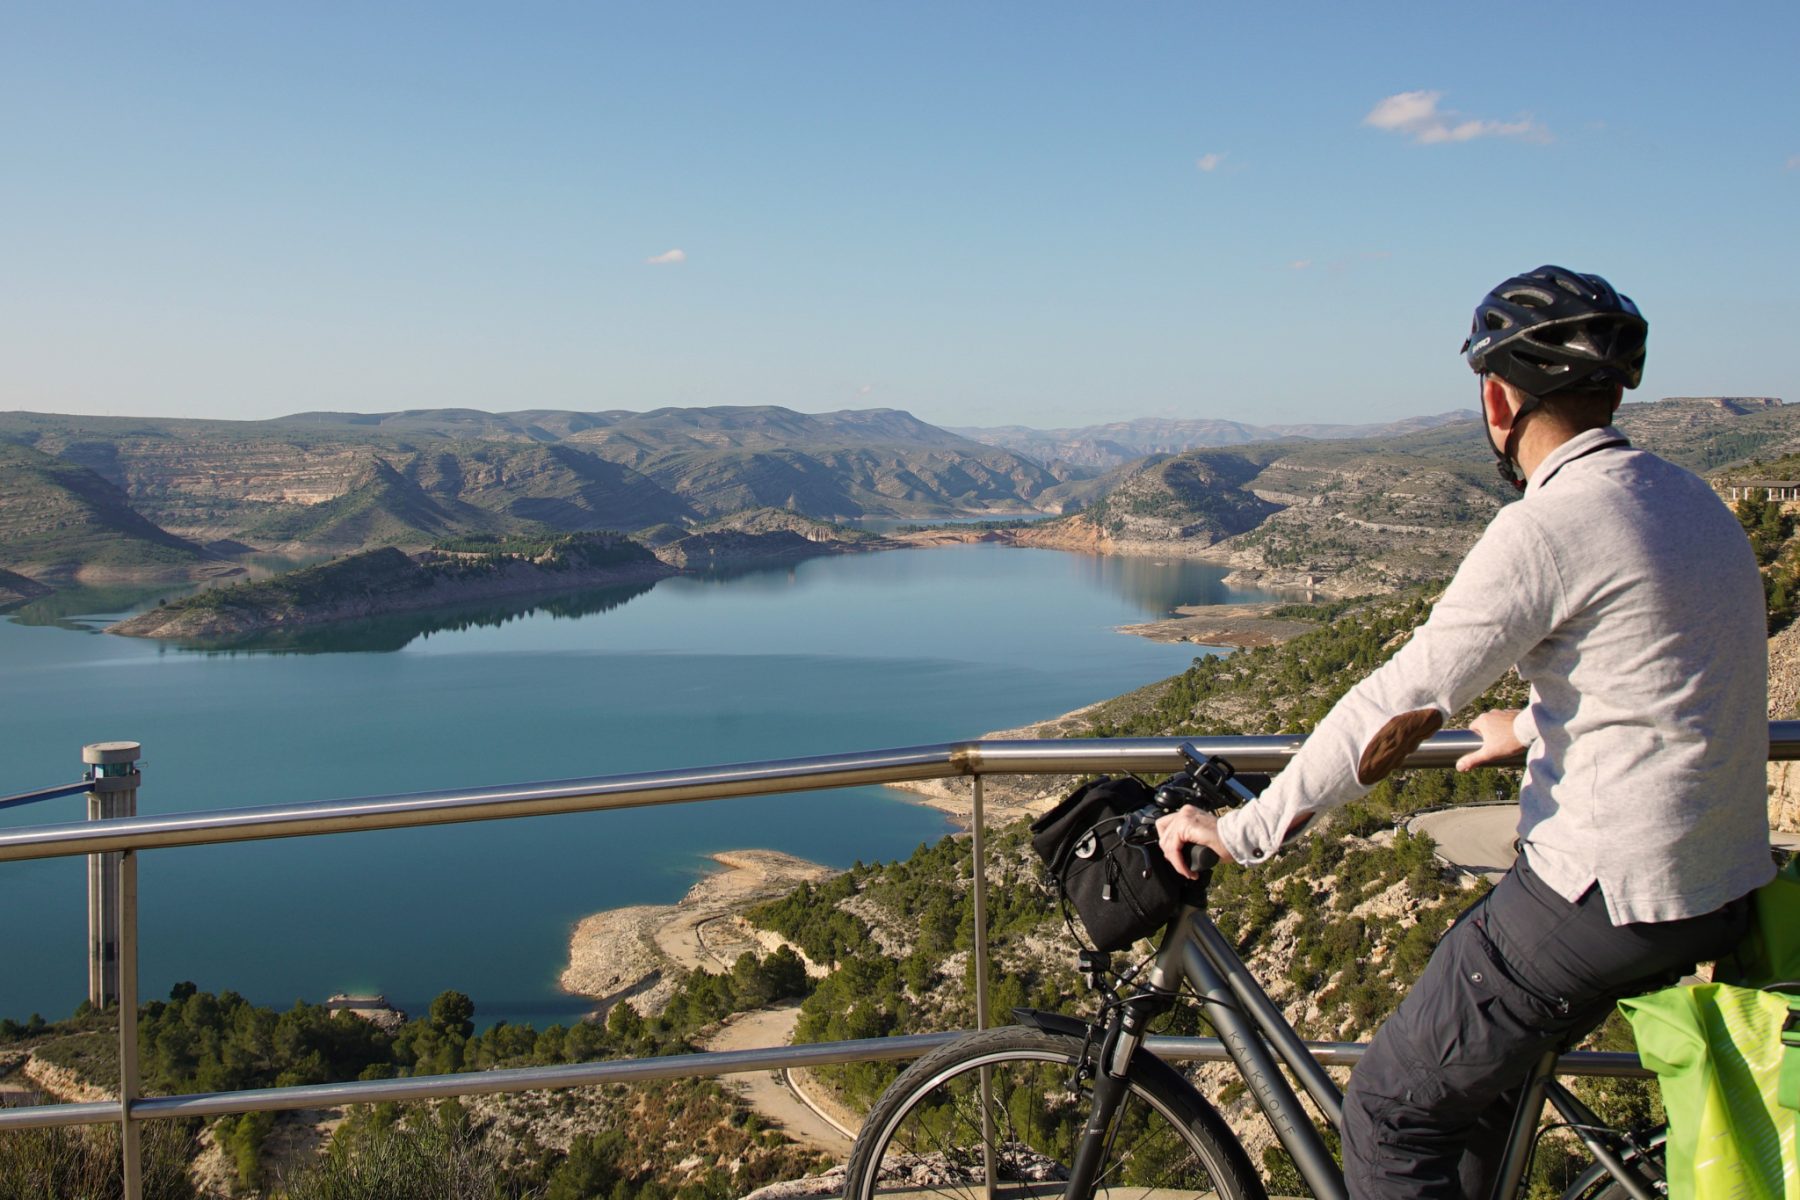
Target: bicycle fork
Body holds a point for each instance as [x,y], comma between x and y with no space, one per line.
[1112,1079]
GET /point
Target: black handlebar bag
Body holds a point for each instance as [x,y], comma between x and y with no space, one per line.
[1122,891]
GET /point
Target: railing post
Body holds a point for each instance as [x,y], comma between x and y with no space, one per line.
[978,852]
[129,1084]
[113,768]
[978,877]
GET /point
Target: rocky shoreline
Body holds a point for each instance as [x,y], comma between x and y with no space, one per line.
[639,952]
[1238,626]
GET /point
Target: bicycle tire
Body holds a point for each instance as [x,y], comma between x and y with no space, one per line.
[924,1135]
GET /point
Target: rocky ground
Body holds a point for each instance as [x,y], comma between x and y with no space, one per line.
[1784,705]
[639,953]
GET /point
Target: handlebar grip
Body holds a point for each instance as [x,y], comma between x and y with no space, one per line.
[1200,859]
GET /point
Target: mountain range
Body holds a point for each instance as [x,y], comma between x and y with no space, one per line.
[1095,448]
[329,482]
[130,497]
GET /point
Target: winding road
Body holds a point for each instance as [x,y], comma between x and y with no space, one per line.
[1481,838]
[773,1094]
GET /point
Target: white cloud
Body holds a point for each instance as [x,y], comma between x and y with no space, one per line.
[668,258]
[1793,162]
[1300,264]
[865,389]
[1417,115]
[1209,162]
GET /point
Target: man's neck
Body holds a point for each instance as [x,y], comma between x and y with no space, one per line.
[1539,440]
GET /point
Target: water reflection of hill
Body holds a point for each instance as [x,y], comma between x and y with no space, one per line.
[396,632]
[1159,586]
[61,607]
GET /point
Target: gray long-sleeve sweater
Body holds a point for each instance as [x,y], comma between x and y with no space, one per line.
[1627,595]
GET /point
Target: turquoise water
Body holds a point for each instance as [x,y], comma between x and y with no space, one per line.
[835,654]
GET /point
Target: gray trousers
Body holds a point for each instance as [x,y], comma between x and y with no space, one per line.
[1522,971]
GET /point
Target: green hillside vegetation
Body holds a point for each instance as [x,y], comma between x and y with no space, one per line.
[640,1145]
[382,508]
[1771,530]
[58,519]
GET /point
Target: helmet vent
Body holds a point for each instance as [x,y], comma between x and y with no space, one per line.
[1543,330]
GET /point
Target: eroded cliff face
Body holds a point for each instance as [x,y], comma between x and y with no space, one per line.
[208,487]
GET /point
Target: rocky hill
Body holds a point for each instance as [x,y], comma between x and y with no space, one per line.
[339,481]
[60,521]
[1342,515]
[1093,449]
[1368,514]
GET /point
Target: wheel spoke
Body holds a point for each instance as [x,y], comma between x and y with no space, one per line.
[932,1144]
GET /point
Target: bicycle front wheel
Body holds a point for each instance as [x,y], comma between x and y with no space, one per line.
[931,1133]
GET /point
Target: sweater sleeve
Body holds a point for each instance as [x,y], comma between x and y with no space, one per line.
[1506,597]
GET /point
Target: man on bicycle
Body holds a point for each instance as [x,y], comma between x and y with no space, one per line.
[1628,597]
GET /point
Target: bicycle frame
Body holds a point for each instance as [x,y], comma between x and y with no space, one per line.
[1260,1041]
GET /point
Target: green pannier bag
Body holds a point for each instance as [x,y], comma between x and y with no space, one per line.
[1727,1055]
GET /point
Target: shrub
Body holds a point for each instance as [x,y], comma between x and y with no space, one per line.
[423,1158]
[84,1164]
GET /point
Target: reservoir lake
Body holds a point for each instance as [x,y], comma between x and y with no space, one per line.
[844,653]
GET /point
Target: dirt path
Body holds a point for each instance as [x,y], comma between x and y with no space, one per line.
[769,1092]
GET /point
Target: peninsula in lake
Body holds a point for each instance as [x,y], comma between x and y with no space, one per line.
[388,580]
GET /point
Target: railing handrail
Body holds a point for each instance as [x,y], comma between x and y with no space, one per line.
[49,793]
[124,836]
[643,1070]
[902,765]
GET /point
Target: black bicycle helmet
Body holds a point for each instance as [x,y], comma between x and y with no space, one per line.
[1553,328]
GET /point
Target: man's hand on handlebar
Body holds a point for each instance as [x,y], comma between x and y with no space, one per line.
[1189,826]
[1498,741]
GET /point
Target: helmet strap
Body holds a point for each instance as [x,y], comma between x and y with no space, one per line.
[1506,462]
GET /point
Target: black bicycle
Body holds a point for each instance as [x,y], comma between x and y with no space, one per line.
[1056,1106]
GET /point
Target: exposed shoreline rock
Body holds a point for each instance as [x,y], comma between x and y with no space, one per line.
[640,952]
[1235,625]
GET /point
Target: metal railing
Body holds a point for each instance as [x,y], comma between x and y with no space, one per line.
[124,837]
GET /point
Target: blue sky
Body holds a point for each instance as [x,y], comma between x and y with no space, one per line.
[1040,214]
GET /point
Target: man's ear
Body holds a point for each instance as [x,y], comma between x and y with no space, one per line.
[1497,404]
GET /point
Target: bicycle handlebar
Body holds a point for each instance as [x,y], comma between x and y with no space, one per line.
[1210,783]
